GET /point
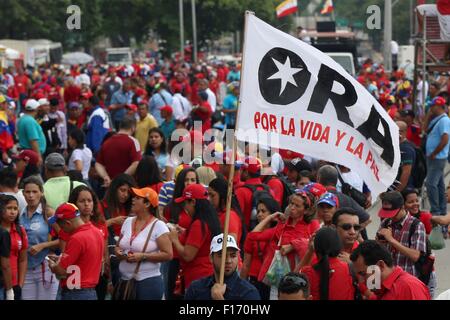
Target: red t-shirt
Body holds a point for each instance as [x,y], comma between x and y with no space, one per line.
[118,153]
[85,250]
[200,266]
[204,116]
[340,285]
[425,218]
[184,221]
[413,134]
[400,285]
[278,189]
[102,228]
[72,94]
[157,187]
[443,7]
[235,225]
[258,250]
[18,244]
[122,213]
[21,83]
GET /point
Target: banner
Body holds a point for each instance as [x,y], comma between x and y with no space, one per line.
[295,97]
[286,8]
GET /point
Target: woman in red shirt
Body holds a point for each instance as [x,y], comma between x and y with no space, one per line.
[193,245]
[148,174]
[330,278]
[87,202]
[203,112]
[175,214]
[412,205]
[290,236]
[9,218]
[217,191]
[255,251]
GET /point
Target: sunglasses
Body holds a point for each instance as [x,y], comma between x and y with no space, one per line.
[348,226]
[295,280]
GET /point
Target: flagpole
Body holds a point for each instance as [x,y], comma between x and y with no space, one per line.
[233,157]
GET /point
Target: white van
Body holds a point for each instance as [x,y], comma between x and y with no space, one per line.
[345,59]
[119,56]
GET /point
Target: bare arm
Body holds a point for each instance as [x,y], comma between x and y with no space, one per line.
[406,173]
[101,170]
[35,146]
[132,169]
[23,262]
[165,250]
[78,165]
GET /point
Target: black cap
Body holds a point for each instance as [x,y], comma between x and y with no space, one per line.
[392,202]
[299,165]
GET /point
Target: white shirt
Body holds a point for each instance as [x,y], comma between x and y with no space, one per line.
[83,79]
[394,47]
[85,156]
[147,269]
[353,179]
[419,92]
[211,99]
[181,107]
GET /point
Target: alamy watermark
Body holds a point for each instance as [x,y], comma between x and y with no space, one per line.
[73,22]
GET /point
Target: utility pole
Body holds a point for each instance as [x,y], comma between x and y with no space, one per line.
[387,35]
[180,2]
[194,29]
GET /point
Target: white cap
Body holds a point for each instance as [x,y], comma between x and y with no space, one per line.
[217,242]
[43,102]
[31,105]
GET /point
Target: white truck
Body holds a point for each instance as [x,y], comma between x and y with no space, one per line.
[36,52]
[119,56]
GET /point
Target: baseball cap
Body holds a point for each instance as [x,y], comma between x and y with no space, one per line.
[147,193]
[315,188]
[217,243]
[299,164]
[132,107]
[43,102]
[67,211]
[328,198]
[391,202]
[31,105]
[438,101]
[74,104]
[252,165]
[86,95]
[27,155]
[167,109]
[193,191]
[55,161]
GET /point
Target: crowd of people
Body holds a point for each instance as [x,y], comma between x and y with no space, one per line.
[95,195]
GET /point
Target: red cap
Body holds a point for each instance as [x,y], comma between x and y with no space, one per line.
[315,188]
[140,92]
[177,88]
[167,109]
[132,107]
[86,95]
[143,101]
[27,155]
[67,211]
[200,76]
[39,94]
[193,191]
[253,165]
[438,101]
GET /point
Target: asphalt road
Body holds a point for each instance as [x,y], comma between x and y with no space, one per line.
[442,262]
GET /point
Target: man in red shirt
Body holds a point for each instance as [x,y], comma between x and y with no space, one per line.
[22,85]
[119,154]
[413,132]
[394,283]
[251,175]
[80,264]
[346,222]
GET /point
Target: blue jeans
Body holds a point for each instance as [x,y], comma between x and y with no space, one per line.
[2,293]
[80,294]
[435,186]
[150,288]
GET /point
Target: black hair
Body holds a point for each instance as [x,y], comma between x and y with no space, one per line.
[205,212]
[4,200]
[372,252]
[8,178]
[220,185]
[173,208]
[30,170]
[308,174]
[38,182]
[96,217]
[326,245]
[79,137]
[340,212]
[406,192]
[163,148]
[94,100]
[111,198]
[147,172]
[127,123]
[287,284]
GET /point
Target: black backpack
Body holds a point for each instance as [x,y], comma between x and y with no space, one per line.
[288,189]
[419,170]
[256,195]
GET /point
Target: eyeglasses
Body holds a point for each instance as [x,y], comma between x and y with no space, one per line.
[298,281]
[348,226]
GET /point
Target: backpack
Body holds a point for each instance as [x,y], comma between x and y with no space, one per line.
[256,195]
[424,266]
[419,170]
[288,189]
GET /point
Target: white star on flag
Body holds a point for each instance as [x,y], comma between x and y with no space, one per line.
[285,73]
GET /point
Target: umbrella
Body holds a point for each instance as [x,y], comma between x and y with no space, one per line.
[76,58]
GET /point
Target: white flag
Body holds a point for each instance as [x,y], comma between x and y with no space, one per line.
[295,97]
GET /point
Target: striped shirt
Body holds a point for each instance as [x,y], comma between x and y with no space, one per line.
[166,193]
[400,231]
